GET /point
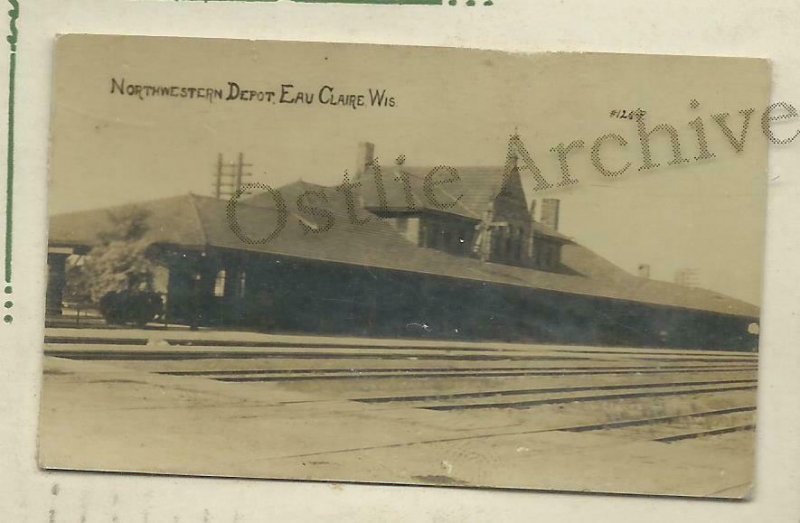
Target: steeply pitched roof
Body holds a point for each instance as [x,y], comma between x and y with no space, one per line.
[200,222]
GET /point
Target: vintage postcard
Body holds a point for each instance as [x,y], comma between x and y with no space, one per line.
[405,265]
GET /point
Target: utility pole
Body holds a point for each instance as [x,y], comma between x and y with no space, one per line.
[229,177]
[218,178]
[239,172]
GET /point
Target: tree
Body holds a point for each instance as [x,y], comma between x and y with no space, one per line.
[120,263]
[117,274]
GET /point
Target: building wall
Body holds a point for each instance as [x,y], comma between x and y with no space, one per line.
[447,233]
[450,234]
[409,226]
[547,254]
[304,296]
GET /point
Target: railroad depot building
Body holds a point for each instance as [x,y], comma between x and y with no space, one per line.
[465,257]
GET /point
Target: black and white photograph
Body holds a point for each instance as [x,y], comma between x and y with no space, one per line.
[405,265]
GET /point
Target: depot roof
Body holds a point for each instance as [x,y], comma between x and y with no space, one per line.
[201,223]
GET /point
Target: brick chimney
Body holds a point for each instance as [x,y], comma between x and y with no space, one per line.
[533,210]
[366,155]
[550,212]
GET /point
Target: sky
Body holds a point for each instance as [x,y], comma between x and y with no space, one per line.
[451,107]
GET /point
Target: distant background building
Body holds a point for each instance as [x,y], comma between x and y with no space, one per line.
[688,277]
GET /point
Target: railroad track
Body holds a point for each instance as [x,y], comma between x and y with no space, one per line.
[585,378]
